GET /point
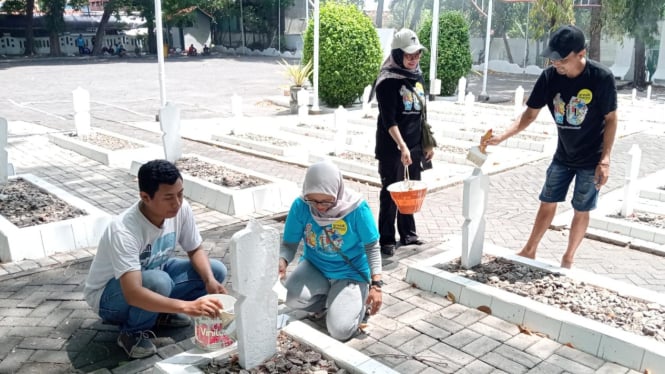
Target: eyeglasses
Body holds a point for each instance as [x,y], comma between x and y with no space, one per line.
[324,204]
[412,56]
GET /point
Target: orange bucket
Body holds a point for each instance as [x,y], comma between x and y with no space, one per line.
[408,195]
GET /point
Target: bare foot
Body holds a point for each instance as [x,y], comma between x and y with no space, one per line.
[527,254]
[566,263]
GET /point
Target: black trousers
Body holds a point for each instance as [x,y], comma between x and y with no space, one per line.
[392,171]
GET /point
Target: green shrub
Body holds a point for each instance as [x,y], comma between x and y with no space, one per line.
[453,50]
[349,53]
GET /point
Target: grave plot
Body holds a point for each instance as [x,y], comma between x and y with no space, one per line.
[321,128]
[230,189]
[630,216]
[106,147]
[266,143]
[589,330]
[24,235]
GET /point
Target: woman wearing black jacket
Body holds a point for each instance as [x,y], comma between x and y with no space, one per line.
[400,95]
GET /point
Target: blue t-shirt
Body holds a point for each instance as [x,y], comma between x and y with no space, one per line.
[323,244]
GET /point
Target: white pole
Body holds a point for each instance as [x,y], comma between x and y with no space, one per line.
[483,95]
[160,53]
[315,98]
[279,26]
[435,42]
[306,11]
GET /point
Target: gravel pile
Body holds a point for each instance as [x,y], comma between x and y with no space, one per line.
[649,219]
[599,304]
[108,142]
[217,174]
[24,204]
[291,357]
[266,139]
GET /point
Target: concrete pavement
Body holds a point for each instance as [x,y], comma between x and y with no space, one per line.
[45,326]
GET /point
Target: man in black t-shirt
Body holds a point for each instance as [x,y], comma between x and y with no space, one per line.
[582,98]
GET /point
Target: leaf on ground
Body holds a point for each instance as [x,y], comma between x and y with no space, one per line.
[485,309]
[524,330]
[451,297]
[569,345]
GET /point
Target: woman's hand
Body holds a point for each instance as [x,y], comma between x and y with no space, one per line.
[374,300]
[406,156]
[282,268]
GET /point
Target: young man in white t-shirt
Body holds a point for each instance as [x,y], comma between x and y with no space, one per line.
[135,280]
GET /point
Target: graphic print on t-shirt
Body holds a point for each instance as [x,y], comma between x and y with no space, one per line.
[155,255]
[330,240]
[575,111]
[410,102]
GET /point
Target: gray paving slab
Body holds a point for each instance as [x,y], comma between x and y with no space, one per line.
[44,320]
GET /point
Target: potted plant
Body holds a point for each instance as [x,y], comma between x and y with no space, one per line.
[298,74]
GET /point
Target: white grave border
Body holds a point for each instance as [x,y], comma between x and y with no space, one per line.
[275,196]
[40,241]
[120,158]
[345,357]
[609,343]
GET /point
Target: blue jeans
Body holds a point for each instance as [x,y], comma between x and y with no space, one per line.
[559,177]
[177,280]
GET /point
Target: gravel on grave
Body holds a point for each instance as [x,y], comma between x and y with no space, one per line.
[109,142]
[266,139]
[24,204]
[649,219]
[217,174]
[599,304]
[291,357]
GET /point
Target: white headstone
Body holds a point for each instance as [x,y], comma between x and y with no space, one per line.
[4,160]
[254,259]
[169,121]
[519,100]
[435,87]
[474,204]
[236,105]
[340,130]
[303,97]
[630,184]
[461,90]
[469,99]
[648,92]
[303,105]
[633,95]
[81,111]
[367,106]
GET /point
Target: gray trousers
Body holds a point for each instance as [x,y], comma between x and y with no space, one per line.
[344,299]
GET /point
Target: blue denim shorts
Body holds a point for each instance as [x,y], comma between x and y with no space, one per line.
[585,195]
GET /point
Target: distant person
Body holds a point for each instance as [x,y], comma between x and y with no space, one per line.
[80,43]
[582,98]
[191,51]
[339,273]
[400,94]
[120,50]
[135,280]
[206,50]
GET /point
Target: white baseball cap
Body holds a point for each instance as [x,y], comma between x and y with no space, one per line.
[407,41]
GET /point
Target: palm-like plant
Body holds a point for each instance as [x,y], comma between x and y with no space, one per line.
[299,74]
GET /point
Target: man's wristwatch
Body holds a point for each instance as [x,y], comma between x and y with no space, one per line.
[376,284]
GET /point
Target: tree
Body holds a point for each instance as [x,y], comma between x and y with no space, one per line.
[349,52]
[453,59]
[638,19]
[27,8]
[55,23]
[379,13]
